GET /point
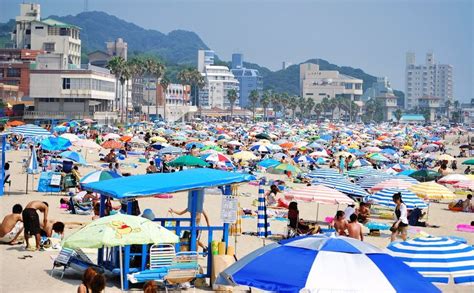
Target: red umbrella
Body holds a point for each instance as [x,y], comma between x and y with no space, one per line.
[112,144]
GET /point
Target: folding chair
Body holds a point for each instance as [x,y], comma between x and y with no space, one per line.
[184,269]
[162,257]
[75,259]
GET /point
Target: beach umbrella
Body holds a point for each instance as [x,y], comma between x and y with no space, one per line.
[54,143]
[288,168]
[432,190]
[260,148]
[321,153]
[406,172]
[325,174]
[188,161]
[60,128]
[119,230]
[97,176]
[391,183]
[70,136]
[319,263]
[452,178]
[438,259]
[196,144]
[212,147]
[15,123]
[33,167]
[445,157]
[112,144]
[88,144]
[468,162]
[384,198]
[74,156]
[215,157]
[158,139]
[362,172]
[263,224]
[245,156]
[425,175]
[303,159]
[29,130]
[171,150]
[406,178]
[343,186]
[318,193]
[263,136]
[111,136]
[268,163]
[467,184]
[359,163]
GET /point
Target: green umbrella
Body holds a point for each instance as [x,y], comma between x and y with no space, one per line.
[288,167]
[188,161]
[468,162]
[212,147]
[263,136]
[425,175]
[119,230]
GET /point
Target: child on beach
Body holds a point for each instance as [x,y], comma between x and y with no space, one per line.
[340,223]
[87,278]
[11,226]
[355,228]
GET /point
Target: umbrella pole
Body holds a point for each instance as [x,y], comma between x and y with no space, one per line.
[317,212]
[26,182]
[121,268]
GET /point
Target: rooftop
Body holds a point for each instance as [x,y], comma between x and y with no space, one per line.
[57,23]
[412,117]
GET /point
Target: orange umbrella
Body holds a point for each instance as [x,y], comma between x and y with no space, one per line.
[126,138]
[112,144]
[287,145]
[15,123]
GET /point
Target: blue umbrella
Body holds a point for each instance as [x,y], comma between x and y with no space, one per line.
[268,163]
[60,128]
[437,258]
[197,144]
[55,143]
[74,156]
[303,159]
[324,264]
[326,137]
[406,172]
[389,151]
[30,130]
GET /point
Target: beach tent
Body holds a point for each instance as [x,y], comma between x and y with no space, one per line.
[323,264]
[438,259]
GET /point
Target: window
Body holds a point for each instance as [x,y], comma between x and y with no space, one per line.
[66,83]
[13,72]
[39,27]
[358,86]
[48,47]
[348,86]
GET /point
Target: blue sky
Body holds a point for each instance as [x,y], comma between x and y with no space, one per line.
[370,34]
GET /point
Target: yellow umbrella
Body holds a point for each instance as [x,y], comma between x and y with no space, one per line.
[470,176]
[245,156]
[407,148]
[445,157]
[158,139]
[432,190]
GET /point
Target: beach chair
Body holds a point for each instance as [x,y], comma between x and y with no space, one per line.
[184,269]
[75,259]
[161,255]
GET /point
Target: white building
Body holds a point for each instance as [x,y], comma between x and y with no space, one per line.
[49,35]
[64,94]
[205,57]
[319,84]
[117,48]
[429,79]
[219,81]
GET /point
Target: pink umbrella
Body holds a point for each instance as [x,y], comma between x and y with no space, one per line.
[319,194]
[391,183]
[453,178]
[466,184]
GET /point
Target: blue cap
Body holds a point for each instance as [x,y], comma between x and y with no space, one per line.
[148,214]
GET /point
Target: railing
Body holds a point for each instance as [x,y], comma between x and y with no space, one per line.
[56,115]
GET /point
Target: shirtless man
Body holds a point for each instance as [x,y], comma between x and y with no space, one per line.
[12,226]
[32,223]
[340,223]
[355,229]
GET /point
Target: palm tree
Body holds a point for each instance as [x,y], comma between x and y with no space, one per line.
[325,105]
[284,103]
[302,106]
[293,105]
[150,68]
[276,102]
[265,100]
[125,76]
[310,105]
[164,83]
[116,66]
[370,108]
[318,109]
[253,98]
[332,106]
[232,97]
[398,114]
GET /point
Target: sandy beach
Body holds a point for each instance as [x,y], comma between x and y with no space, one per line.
[33,274]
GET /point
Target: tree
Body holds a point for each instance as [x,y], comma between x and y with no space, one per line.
[116,66]
[232,97]
[124,77]
[308,109]
[276,102]
[253,99]
[448,105]
[302,106]
[164,83]
[398,114]
[325,105]
[265,100]
[284,103]
[318,109]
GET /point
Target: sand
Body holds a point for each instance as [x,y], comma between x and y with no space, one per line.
[33,274]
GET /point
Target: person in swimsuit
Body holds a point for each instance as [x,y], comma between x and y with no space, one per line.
[31,221]
[355,228]
[401,217]
[12,226]
[340,223]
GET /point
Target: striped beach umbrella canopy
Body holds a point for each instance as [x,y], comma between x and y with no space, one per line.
[384,198]
[453,178]
[324,264]
[467,184]
[363,172]
[261,148]
[171,150]
[30,130]
[304,159]
[432,190]
[370,181]
[438,259]
[319,194]
[263,224]
[325,174]
[343,186]
[391,183]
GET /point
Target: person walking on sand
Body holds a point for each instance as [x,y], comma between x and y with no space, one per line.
[354,228]
[31,221]
[12,226]
[401,217]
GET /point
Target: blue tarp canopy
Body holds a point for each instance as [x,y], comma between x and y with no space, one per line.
[151,184]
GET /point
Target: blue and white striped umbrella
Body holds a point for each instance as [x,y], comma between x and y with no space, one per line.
[343,186]
[30,130]
[261,148]
[304,159]
[325,174]
[33,166]
[324,264]
[384,198]
[406,178]
[263,224]
[437,258]
[370,181]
